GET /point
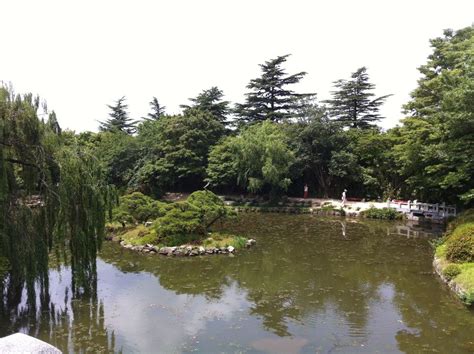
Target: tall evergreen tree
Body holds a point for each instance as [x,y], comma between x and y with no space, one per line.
[269,98]
[157,110]
[210,100]
[353,102]
[119,119]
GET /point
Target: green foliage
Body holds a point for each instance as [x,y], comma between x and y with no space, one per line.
[258,159]
[460,244]
[52,195]
[174,151]
[182,223]
[437,139]
[157,110]
[210,205]
[116,151]
[218,240]
[138,235]
[185,222]
[353,103]
[451,271]
[384,213]
[465,217]
[138,208]
[222,166]
[269,97]
[264,158]
[210,101]
[119,119]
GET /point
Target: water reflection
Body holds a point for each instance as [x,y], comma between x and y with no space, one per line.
[310,284]
[71,320]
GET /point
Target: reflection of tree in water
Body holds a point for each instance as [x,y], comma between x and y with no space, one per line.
[206,276]
[285,280]
[76,325]
[289,281]
[432,316]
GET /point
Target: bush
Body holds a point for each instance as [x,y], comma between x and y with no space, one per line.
[460,244]
[138,208]
[211,206]
[463,218]
[385,213]
[182,223]
[451,271]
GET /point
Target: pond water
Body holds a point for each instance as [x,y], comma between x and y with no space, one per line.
[311,284]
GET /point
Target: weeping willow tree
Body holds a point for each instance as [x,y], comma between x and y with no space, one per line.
[52,198]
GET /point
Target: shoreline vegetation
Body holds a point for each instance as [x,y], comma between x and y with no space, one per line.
[179,228]
[454,257]
[180,224]
[58,187]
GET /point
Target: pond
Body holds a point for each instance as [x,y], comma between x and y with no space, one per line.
[311,284]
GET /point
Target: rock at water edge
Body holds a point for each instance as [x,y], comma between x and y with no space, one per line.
[22,343]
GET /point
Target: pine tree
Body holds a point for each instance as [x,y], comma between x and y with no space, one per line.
[119,119]
[210,100]
[353,104]
[269,98]
[157,110]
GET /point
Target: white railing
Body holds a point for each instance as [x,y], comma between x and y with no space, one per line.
[423,208]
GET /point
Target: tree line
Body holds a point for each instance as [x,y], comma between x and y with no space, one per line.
[278,140]
[56,186]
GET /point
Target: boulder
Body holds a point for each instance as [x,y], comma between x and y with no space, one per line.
[22,343]
[230,249]
[164,250]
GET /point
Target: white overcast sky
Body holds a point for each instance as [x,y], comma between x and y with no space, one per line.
[82,55]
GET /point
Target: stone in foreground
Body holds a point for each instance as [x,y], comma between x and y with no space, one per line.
[22,343]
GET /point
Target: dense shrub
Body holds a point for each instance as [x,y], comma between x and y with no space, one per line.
[138,208]
[460,244]
[385,213]
[451,271]
[182,223]
[211,206]
[463,218]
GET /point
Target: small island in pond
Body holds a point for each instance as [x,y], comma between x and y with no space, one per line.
[181,228]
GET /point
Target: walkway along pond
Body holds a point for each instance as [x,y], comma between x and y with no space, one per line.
[310,284]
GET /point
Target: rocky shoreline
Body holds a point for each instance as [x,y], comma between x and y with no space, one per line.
[460,292]
[185,250]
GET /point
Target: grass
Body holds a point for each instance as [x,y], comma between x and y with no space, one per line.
[465,278]
[218,240]
[138,235]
